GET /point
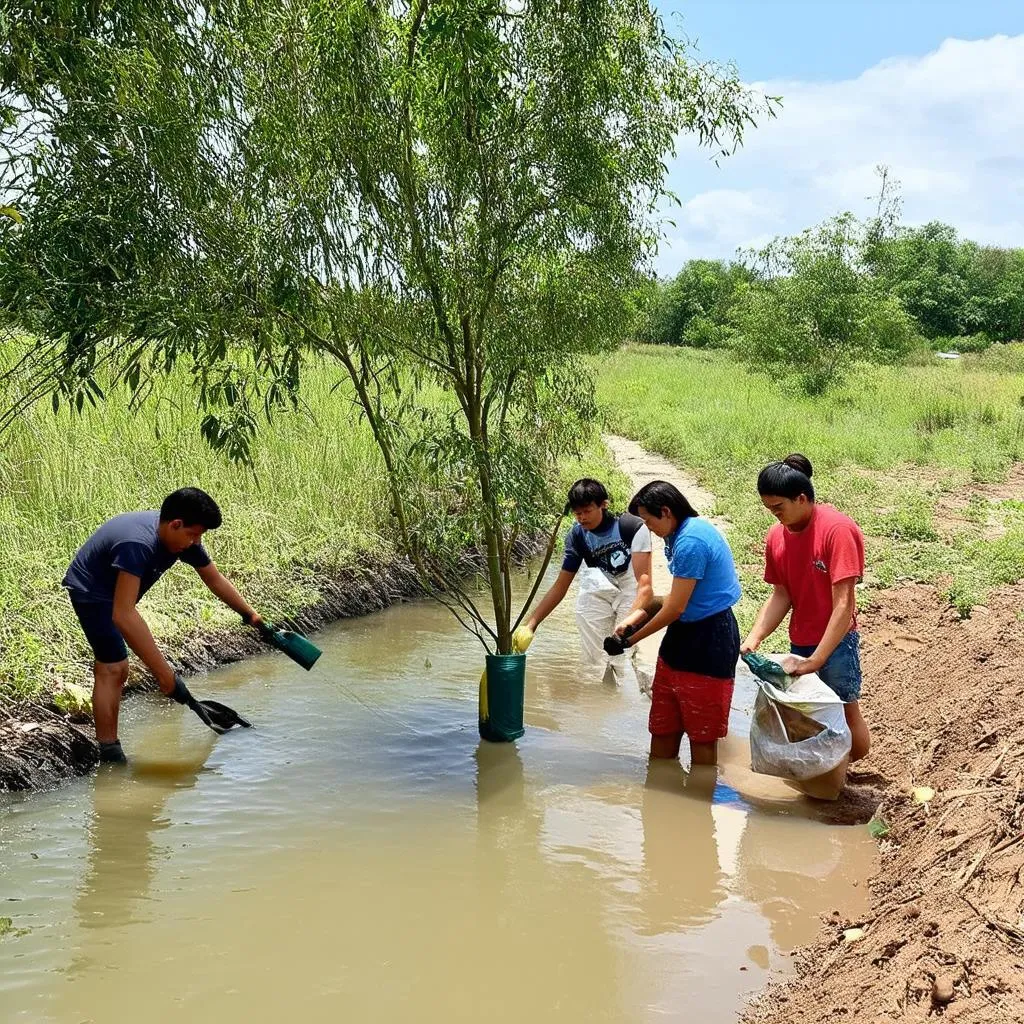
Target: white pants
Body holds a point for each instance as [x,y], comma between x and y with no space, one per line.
[600,607]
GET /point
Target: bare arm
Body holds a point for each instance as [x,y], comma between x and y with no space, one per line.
[644,592]
[641,561]
[552,599]
[844,603]
[769,618]
[135,631]
[222,587]
[673,606]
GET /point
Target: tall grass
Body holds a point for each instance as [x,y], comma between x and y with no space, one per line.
[884,449]
[315,500]
[315,505]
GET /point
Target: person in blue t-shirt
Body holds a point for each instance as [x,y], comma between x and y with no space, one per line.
[109,575]
[693,680]
[612,555]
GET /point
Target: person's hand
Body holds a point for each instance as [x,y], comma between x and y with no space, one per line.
[615,645]
[179,691]
[251,618]
[750,644]
[627,628]
[793,665]
[182,695]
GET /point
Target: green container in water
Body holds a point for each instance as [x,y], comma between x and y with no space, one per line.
[502,696]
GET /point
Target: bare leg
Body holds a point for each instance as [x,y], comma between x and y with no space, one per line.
[666,746]
[108,680]
[704,753]
[859,731]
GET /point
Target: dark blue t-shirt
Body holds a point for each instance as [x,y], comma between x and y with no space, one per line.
[609,548]
[127,543]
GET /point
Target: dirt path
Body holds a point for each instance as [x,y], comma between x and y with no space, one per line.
[642,466]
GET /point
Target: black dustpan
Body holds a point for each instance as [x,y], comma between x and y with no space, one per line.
[223,718]
[219,717]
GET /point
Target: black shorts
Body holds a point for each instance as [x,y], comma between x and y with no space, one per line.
[97,620]
[706,647]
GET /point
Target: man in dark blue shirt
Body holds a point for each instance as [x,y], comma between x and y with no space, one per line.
[113,570]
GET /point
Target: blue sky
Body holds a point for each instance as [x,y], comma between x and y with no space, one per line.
[932,88]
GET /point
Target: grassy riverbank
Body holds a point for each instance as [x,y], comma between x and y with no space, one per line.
[924,457]
[315,508]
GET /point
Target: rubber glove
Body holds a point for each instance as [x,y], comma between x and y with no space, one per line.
[181,694]
[521,639]
[615,645]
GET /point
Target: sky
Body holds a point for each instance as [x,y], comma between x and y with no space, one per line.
[934,89]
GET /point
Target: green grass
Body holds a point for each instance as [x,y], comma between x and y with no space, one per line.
[885,449]
[315,506]
[314,501]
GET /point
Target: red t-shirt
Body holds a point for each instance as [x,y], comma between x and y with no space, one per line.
[807,563]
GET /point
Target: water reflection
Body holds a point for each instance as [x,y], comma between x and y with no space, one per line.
[129,813]
[678,829]
[792,869]
[534,912]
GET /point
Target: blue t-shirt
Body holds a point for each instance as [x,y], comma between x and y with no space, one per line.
[697,551]
[127,543]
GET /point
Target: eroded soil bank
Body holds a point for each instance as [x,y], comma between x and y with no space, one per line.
[945,933]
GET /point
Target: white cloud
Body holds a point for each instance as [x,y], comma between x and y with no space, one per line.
[949,125]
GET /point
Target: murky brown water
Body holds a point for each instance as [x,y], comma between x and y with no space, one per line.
[362,856]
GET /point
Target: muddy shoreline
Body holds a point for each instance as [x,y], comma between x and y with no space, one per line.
[944,936]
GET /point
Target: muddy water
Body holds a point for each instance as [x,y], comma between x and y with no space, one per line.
[361,856]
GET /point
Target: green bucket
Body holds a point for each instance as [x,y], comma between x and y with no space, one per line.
[502,696]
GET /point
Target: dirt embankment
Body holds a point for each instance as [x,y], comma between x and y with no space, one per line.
[945,934]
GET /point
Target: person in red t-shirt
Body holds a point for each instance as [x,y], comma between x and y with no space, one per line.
[814,558]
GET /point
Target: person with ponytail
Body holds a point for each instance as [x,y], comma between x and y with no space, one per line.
[693,681]
[814,558]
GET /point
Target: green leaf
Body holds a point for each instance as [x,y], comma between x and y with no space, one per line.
[879,828]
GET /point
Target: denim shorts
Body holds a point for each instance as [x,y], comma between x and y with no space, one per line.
[841,672]
[97,621]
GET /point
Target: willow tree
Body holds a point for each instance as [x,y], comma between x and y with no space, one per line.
[450,200]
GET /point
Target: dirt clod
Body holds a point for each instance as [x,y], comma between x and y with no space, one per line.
[942,989]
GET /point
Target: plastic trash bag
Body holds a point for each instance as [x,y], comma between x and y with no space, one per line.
[798,730]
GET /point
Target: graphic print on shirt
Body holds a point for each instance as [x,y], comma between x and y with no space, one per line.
[608,548]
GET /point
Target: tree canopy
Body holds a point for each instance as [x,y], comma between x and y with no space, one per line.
[450,201]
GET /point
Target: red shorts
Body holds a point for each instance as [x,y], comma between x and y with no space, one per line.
[687,702]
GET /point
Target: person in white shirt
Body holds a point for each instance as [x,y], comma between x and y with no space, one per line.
[614,554]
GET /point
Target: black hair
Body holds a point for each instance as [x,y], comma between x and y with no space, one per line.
[587,492]
[787,479]
[193,507]
[659,494]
